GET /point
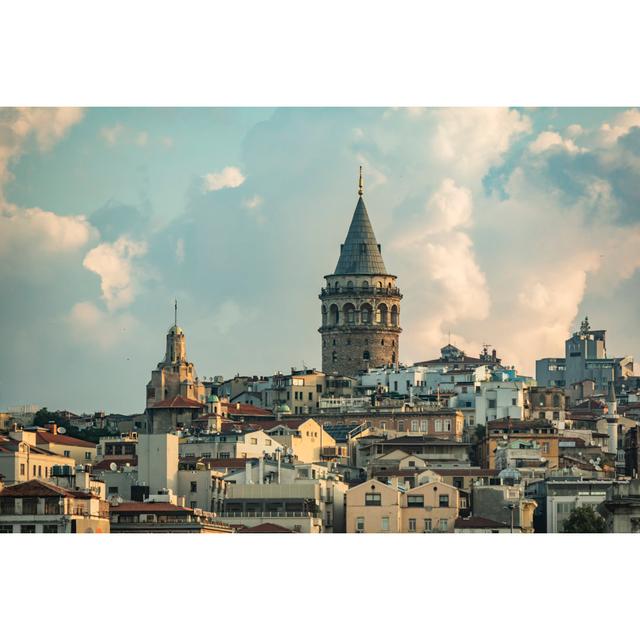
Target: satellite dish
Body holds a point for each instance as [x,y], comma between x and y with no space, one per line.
[113,466]
[62,430]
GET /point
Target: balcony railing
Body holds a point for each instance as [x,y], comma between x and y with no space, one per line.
[363,291]
[268,514]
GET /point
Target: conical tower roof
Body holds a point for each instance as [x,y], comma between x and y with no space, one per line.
[360,253]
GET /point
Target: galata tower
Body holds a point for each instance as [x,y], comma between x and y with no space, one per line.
[360,303]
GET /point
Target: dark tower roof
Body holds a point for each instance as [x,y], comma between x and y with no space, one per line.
[360,253]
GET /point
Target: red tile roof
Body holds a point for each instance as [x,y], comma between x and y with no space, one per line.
[265,527]
[45,437]
[40,489]
[179,402]
[226,463]
[245,409]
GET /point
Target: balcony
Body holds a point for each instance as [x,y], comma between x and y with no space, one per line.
[360,291]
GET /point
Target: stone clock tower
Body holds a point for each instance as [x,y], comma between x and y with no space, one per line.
[360,303]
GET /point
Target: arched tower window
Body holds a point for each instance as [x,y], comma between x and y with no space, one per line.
[381,314]
[334,356]
[350,285]
[349,312]
[334,314]
[394,315]
[324,315]
[365,356]
[336,286]
[366,313]
[365,285]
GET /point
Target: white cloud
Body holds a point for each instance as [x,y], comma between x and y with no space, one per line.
[446,285]
[472,140]
[553,140]
[227,316]
[34,231]
[93,326]
[228,178]
[253,203]
[112,135]
[114,264]
[142,138]
[622,123]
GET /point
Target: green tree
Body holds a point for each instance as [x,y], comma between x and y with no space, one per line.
[44,416]
[584,520]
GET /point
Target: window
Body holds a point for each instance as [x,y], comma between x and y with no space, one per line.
[513,401]
[545,447]
[112,491]
[39,471]
[412,463]
[444,524]
[27,528]
[359,525]
[412,524]
[310,395]
[254,440]
[424,425]
[193,505]
[67,454]
[372,499]
[438,425]
[22,469]
[267,442]
[492,404]
[385,523]
[50,528]
[6,528]
[556,415]
[87,455]
[443,500]
[447,425]
[414,425]
[224,455]
[400,425]
[427,524]
[366,355]
[194,487]
[415,501]
[206,454]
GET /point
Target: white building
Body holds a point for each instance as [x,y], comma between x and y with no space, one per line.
[496,400]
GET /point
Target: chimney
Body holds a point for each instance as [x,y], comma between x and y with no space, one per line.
[53,428]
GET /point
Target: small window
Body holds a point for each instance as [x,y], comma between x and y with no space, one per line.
[444,524]
[385,523]
[112,491]
[359,524]
[412,524]
[373,499]
[427,524]
[444,500]
[254,440]
[67,454]
[415,501]
[194,487]
[87,455]
[49,528]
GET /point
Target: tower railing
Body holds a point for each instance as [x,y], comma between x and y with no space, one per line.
[362,291]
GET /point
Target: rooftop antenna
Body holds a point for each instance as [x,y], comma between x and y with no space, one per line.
[360,183]
[175,311]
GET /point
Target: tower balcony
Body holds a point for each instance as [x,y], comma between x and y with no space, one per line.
[346,292]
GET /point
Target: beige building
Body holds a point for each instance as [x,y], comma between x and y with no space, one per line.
[40,507]
[158,462]
[306,441]
[22,460]
[376,507]
[80,451]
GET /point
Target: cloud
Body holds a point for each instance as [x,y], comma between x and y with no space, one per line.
[114,264]
[111,135]
[609,133]
[446,285]
[227,316]
[553,140]
[142,138]
[17,125]
[92,326]
[228,178]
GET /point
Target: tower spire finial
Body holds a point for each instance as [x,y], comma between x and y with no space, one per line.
[175,312]
[360,183]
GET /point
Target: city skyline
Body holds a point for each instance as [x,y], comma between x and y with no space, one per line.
[110,214]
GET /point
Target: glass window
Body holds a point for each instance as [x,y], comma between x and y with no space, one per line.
[385,524]
[373,499]
[415,501]
[412,524]
[443,500]
[444,524]
[359,524]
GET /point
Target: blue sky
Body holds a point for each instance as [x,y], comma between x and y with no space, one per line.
[502,225]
